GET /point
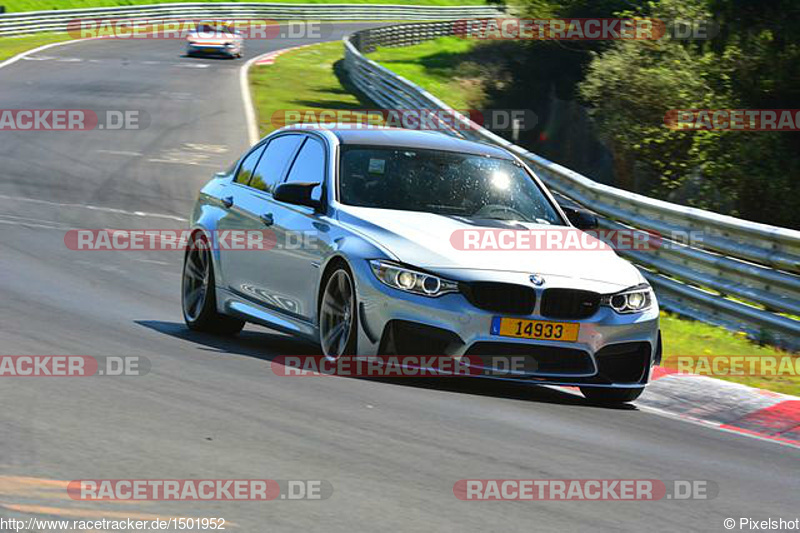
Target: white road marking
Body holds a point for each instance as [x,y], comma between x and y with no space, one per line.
[210,148]
[684,418]
[70,60]
[94,208]
[33,51]
[31,222]
[247,98]
[120,152]
[178,96]
[711,425]
[192,65]
[194,154]
[102,267]
[153,261]
[4,215]
[197,161]
[29,225]
[38,58]
[181,97]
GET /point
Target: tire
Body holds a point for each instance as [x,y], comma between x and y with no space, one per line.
[337,312]
[198,292]
[611,396]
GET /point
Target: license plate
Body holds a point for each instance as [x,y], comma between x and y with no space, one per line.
[535,329]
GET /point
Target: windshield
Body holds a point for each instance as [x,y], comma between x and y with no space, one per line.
[447,183]
[210,27]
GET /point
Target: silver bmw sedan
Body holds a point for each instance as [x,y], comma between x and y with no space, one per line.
[388,241]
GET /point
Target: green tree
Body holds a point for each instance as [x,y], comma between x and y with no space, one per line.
[751,63]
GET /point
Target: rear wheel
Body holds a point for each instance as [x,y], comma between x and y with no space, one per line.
[611,396]
[337,315]
[198,293]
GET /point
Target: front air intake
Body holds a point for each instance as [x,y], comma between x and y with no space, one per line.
[500,297]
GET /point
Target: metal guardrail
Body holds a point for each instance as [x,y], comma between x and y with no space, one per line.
[741,275]
[57,21]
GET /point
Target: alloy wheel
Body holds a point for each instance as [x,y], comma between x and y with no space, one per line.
[337,314]
[196,271]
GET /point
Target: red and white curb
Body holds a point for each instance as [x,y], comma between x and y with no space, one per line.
[244,83]
[269,58]
[727,406]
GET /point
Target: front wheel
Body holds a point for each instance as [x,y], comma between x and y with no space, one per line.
[611,396]
[198,292]
[337,315]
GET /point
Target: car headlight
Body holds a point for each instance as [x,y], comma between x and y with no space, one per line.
[633,300]
[405,279]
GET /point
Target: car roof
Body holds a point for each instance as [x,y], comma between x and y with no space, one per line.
[405,138]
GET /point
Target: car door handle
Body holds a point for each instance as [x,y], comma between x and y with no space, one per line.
[267,219]
[227,201]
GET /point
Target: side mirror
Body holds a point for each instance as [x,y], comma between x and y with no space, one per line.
[297,194]
[581,219]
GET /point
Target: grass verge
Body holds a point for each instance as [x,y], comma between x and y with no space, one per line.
[684,337]
[11,46]
[445,67]
[39,5]
[311,78]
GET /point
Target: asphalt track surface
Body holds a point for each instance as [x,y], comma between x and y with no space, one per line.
[212,408]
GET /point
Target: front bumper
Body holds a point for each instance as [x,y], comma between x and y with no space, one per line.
[612,350]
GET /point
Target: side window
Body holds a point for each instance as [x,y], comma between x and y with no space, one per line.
[309,165]
[249,163]
[272,165]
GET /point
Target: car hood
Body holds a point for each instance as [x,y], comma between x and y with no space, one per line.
[424,240]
